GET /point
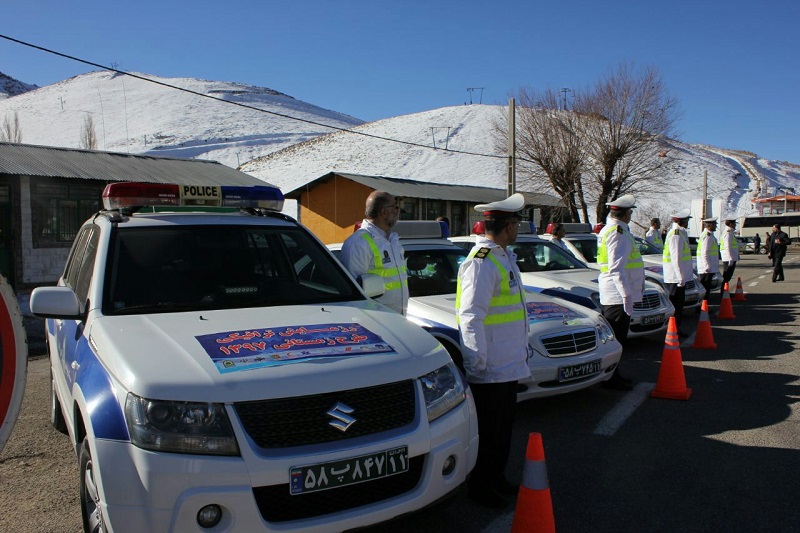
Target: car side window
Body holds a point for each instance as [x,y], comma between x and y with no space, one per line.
[84,277]
[76,257]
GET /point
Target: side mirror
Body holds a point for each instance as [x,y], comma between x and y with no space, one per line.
[55,302]
[373,285]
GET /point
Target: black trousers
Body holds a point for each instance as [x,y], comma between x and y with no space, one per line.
[727,273]
[677,295]
[777,267]
[619,320]
[705,281]
[495,404]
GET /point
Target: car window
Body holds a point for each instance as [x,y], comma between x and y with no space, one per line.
[217,267]
[646,248]
[433,272]
[543,256]
[587,248]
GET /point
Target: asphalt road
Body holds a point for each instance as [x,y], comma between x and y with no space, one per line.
[727,459]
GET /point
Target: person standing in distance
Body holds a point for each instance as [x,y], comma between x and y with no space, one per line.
[707,255]
[653,235]
[375,249]
[778,242]
[729,250]
[757,244]
[621,280]
[493,324]
[677,264]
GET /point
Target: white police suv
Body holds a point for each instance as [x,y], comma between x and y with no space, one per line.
[571,347]
[219,371]
[548,269]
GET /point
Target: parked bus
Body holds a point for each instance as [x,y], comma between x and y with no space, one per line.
[750,225]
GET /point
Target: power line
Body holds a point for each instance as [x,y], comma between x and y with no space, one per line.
[163,84]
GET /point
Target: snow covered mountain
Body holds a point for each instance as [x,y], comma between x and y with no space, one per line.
[10,87]
[453,145]
[131,115]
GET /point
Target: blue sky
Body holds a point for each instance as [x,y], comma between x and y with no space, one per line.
[733,66]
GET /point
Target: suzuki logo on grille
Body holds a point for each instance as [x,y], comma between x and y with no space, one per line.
[341,415]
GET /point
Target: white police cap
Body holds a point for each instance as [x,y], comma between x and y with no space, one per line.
[623,202]
[712,219]
[512,204]
[680,215]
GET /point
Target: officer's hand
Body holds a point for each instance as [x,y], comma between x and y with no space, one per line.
[627,306]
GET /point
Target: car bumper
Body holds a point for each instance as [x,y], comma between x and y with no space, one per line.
[160,492]
[544,380]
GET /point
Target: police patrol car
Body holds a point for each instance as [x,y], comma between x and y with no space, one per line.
[571,347]
[220,371]
[548,269]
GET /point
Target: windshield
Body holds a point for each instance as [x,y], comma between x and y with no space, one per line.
[433,272]
[646,248]
[182,268]
[587,248]
[541,256]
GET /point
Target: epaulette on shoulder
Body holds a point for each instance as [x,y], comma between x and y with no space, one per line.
[619,229]
[675,232]
[482,253]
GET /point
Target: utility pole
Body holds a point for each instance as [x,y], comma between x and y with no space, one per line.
[470,89]
[565,90]
[705,194]
[512,161]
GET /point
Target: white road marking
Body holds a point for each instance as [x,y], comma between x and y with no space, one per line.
[754,283]
[623,410]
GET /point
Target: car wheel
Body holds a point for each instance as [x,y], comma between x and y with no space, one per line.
[56,414]
[91,510]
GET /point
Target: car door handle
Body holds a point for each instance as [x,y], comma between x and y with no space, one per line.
[75,365]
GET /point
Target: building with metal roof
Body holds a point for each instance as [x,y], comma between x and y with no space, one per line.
[46,193]
[331,204]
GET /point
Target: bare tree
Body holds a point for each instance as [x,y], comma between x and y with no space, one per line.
[549,148]
[88,134]
[11,131]
[625,115]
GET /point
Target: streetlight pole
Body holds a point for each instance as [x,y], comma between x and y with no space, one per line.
[786,198]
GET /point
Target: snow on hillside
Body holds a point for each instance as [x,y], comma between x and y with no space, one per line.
[135,116]
[469,128]
[10,87]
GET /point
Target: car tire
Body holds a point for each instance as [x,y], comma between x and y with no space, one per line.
[91,510]
[56,414]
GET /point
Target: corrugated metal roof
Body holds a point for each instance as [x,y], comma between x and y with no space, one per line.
[434,191]
[31,160]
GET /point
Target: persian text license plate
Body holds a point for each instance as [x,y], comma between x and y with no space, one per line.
[568,373]
[336,474]
[652,319]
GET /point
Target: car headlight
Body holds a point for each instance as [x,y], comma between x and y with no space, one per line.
[604,330]
[443,389]
[180,427]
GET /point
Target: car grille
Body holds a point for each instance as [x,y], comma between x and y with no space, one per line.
[690,285]
[304,420]
[570,344]
[276,504]
[649,301]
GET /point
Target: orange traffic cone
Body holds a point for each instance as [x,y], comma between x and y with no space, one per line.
[534,512]
[671,380]
[726,306]
[703,338]
[739,296]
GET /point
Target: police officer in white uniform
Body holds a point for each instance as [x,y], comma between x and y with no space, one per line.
[375,249]
[653,235]
[493,324]
[729,249]
[621,279]
[677,264]
[707,255]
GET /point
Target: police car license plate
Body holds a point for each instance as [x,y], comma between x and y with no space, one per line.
[691,298]
[568,373]
[652,319]
[305,479]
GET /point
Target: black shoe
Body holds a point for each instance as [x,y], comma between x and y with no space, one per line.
[506,488]
[487,497]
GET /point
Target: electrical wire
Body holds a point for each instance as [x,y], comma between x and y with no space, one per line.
[282,115]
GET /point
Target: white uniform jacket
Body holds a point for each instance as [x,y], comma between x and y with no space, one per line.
[707,253]
[358,258]
[620,285]
[496,353]
[729,246]
[653,236]
[677,270]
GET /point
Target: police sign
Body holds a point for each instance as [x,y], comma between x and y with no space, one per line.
[13,360]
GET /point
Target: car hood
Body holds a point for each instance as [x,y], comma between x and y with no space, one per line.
[246,354]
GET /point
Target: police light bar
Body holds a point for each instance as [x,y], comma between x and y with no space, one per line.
[527,227]
[122,195]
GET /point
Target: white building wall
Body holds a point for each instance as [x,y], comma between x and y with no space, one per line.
[39,265]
